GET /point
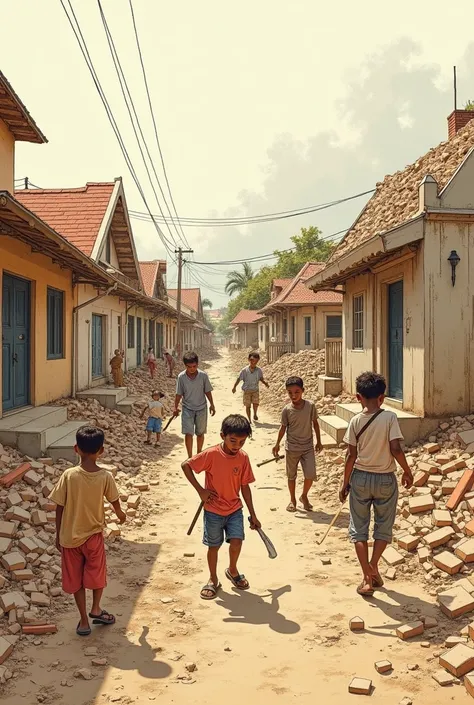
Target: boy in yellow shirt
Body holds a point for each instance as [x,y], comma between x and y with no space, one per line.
[80,521]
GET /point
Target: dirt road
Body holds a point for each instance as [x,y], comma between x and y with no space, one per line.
[286,638]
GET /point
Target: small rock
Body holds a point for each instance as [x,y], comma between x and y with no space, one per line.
[83,673]
[90,651]
[413,666]
[190,667]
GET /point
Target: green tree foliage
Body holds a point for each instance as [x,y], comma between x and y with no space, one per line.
[308,247]
[206,303]
[469,105]
[238,281]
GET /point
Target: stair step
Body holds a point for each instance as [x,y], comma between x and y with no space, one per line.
[27,430]
[126,405]
[334,426]
[108,397]
[62,447]
[328,441]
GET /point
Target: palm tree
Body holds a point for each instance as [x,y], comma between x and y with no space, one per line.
[238,281]
[206,303]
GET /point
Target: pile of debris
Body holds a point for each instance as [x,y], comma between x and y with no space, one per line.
[240,359]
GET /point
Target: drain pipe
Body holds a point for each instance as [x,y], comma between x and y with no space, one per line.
[75,332]
[125,347]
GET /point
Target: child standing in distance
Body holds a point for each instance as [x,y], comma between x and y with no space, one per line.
[80,521]
[155,417]
[151,362]
[251,376]
[116,368]
[227,474]
[373,437]
[170,363]
[298,420]
[194,388]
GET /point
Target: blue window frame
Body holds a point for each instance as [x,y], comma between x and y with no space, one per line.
[55,324]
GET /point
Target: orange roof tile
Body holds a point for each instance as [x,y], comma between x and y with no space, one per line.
[75,213]
[246,316]
[16,117]
[297,293]
[189,297]
[149,270]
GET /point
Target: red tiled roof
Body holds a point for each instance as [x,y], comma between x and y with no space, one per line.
[296,293]
[16,117]
[281,283]
[149,271]
[189,297]
[75,213]
[245,316]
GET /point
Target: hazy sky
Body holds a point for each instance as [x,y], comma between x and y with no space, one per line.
[262,107]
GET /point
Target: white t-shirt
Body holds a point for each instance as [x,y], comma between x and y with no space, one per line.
[155,409]
[373,447]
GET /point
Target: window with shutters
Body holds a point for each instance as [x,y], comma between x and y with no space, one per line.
[131,332]
[333,326]
[307,330]
[55,324]
[358,322]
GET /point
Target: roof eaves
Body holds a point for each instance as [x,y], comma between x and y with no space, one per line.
[40,137]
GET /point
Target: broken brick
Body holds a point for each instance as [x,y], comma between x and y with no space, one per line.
[420,478]
[39,518]
[458,661]
[5,649]
[360,686]
[17,514]
[383,666]
[455,602]
[12,600]
[466,551]
[464,485]
[431,448]
[448,562]
[441,517]
[469,683]
[392,557]
[7,529]
[13,561]
[439,537]
[443,678]
[408,542]
[410,630]
[356,624]
[421,503]
[14,475]
[39,629]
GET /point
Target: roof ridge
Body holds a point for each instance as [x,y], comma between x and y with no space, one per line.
[72,189]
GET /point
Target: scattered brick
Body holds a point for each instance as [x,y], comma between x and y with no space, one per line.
[424,554]
[356,624]
[14,475]
[453,466]
[432,448]
[408,542]
[455,602]
[448,562]
[458,661]
[5,545]
[466,551]
[410,630]
[443,678]
[7,529]
[17,514]
[383,666]
[360,686]
[23,575]
[420,478]
[464,485]
[40,599]
[39,518]
[439,537]
[429,622]
[441,517]
[6,649]
[13,499]
[12,600]
[469,528]
[421,503]
[39,629]
[134,501]
[391,573]
[32,478]
[13,561]
[392,557]
[469,683]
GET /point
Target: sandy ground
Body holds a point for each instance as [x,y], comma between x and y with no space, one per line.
[286,638]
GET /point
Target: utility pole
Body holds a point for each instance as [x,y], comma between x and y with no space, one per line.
[180,252]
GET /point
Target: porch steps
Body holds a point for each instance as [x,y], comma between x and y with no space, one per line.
[63,442]
[108,397]
[328,441]
[126,405]
[413,427]
[36,430]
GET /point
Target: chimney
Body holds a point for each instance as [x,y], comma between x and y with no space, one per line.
[457,120]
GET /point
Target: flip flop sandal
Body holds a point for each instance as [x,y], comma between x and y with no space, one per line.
[308,507]
[377,581]
[210,587]
[364,593]
[236,580]
[147,443]
[101,618]
[291,508]
[83,632]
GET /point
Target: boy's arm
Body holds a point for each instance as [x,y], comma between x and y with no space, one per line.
[212,408]
[120,514]
[59,518]
[399,455]
[351,457]
[281,433]
[317,430]
[263,381]
[247,495]
[143,411]
[204,494]
[177,399]
[236,385]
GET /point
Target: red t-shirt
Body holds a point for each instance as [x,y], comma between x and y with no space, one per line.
[225,474]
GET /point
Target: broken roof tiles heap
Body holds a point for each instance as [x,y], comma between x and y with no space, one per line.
[245,316]
[396,198]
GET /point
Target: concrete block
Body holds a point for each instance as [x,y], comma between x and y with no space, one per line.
[410,630]
[421,503]
[408,542]
[32,478]
[420,478]
[6,649]
[392,557]
[455,602]
[360,686]
[383,666]
[441,517]
[7,529]
[12,600]
[458,661]
[448,562]
[443,678]
[13,561]
[466,551]
[439,537]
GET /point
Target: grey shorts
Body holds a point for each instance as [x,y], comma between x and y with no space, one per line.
[307,461]
[194,423]
[377,490]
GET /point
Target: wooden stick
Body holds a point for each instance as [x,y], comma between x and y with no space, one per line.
[270,460]
[169,421]
[333,521]
[196,517]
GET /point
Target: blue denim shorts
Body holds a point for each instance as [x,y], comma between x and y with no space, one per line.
[194,423]
[154,425]
[377,490]
[216,526]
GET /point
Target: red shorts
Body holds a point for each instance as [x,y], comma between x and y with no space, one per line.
[84,566]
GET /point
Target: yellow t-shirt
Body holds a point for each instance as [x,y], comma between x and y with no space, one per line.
[82,495]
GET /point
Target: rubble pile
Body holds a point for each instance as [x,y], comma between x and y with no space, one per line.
[240,359]
[139,382]
[31,598]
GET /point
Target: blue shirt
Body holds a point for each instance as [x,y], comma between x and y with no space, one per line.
[193,390]
[250,378]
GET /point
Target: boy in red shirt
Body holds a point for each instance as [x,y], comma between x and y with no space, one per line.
[228,473]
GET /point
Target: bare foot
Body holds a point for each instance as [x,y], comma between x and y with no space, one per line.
[366,588]
[291,507]
[306,503]
[377,580]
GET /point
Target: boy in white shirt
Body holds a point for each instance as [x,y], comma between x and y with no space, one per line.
[373,437]
[155,417]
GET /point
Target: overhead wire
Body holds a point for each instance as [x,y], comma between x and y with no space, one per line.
[76,28]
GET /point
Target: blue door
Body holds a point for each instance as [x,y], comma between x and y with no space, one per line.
[139,342]
[395,340]
[15,342]
[97,346]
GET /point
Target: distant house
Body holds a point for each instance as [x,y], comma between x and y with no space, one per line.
[297,318]
[195,333]
[245,329]
[407,272]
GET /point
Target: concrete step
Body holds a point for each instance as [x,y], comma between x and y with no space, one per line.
[413,427]
[328,441]
[126,405]
[27,430]
[108,397]
[333,426]
[329,386]
[63,441]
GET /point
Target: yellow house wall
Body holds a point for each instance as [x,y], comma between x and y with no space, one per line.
[449,349]
[50,379]
[7,158]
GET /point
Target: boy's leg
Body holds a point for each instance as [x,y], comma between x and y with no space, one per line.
[308,465]
[80,598]
[95,576]
[188,441]
[158,438]
[255,412]
[360,501]
[385,509]
[200,427]
[235,535]
[248,405]
[187,428]
[72,565]
[255,403]
[292,460]
[213,538]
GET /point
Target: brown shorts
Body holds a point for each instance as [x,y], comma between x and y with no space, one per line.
[251,398]
[307,461]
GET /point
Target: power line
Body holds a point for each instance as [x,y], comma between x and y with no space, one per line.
[76,28]
[152,113]
[264,218]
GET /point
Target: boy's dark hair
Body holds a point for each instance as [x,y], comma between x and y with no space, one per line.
[294,382]
[151,347]
[190,358]
[256,355]
[90,439]
[370,385]
[236,425]
[156,391]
